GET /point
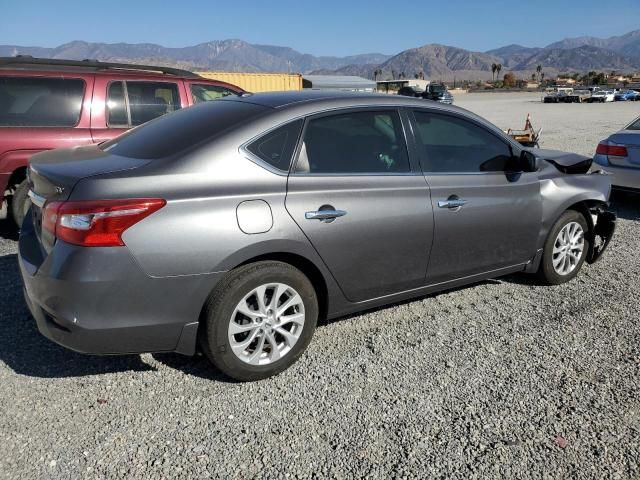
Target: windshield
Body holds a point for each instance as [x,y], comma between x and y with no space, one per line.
[438,88]
[178,131]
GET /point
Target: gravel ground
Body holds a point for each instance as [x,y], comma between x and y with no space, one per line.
[501,379]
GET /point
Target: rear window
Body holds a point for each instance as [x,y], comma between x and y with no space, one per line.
[177,132]
[40,102]
[635,125]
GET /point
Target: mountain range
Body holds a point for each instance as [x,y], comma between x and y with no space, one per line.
[581,54]
[222,55]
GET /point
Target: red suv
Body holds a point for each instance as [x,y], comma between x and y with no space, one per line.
[47,104]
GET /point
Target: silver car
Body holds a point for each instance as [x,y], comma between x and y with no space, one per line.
[235,226]
[620,155]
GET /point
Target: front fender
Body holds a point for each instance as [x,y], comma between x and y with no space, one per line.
[563,191]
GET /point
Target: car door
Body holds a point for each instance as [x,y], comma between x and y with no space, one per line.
[355,195]
[485,217]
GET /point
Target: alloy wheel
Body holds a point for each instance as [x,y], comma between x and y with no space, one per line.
[568,248]
[266,324]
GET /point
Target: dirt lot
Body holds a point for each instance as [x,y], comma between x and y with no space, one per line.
[576,127]
[501,379]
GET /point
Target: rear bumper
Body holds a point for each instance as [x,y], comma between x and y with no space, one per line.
[97,300]
[623,177]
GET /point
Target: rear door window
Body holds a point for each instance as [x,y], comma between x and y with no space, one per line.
[132,103]
[40,102]
[206,93]
[361,142]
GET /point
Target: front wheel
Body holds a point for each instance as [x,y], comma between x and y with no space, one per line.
[565,249]
[259,320]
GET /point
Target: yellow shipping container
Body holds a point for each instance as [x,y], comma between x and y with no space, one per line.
[258,82]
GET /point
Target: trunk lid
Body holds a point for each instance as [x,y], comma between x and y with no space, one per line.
[631,140]
[53,175]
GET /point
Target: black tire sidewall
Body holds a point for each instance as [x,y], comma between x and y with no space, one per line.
[547,272]
[227,296]
[20,197]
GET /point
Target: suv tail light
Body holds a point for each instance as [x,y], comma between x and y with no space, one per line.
[611,150]
[96,223]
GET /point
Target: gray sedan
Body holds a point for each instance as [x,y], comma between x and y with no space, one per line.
[234,226]
[620,155]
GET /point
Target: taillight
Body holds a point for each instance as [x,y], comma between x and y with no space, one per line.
[611,150]
[97,223]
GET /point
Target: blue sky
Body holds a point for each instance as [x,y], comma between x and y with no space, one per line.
[321,27]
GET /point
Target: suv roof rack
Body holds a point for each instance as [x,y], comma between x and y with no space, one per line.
[29,61]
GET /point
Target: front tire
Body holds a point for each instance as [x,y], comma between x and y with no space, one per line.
[259,320]
[565,249]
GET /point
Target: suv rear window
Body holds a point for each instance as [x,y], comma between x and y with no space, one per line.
[145,101]
[40,102]
[175,133]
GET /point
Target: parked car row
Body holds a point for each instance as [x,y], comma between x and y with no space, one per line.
[437,92]
[591,95]
[47,104]
[236,225]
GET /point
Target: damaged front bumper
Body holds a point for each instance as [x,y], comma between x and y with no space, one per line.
[601,233]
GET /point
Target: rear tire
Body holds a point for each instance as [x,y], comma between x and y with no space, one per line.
[20,203]
[251,339]
[565,249]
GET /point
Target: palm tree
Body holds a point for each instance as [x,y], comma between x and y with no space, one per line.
[541,77]
[494,67]
[539,70]
[498,69]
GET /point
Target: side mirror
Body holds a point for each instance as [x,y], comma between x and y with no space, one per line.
[529,162]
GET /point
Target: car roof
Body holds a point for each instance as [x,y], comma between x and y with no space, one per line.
[308,102]
[291,98]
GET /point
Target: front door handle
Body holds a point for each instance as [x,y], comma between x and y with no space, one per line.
[324,214]
[452,202]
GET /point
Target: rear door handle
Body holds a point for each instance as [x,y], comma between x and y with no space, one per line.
[324,214]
